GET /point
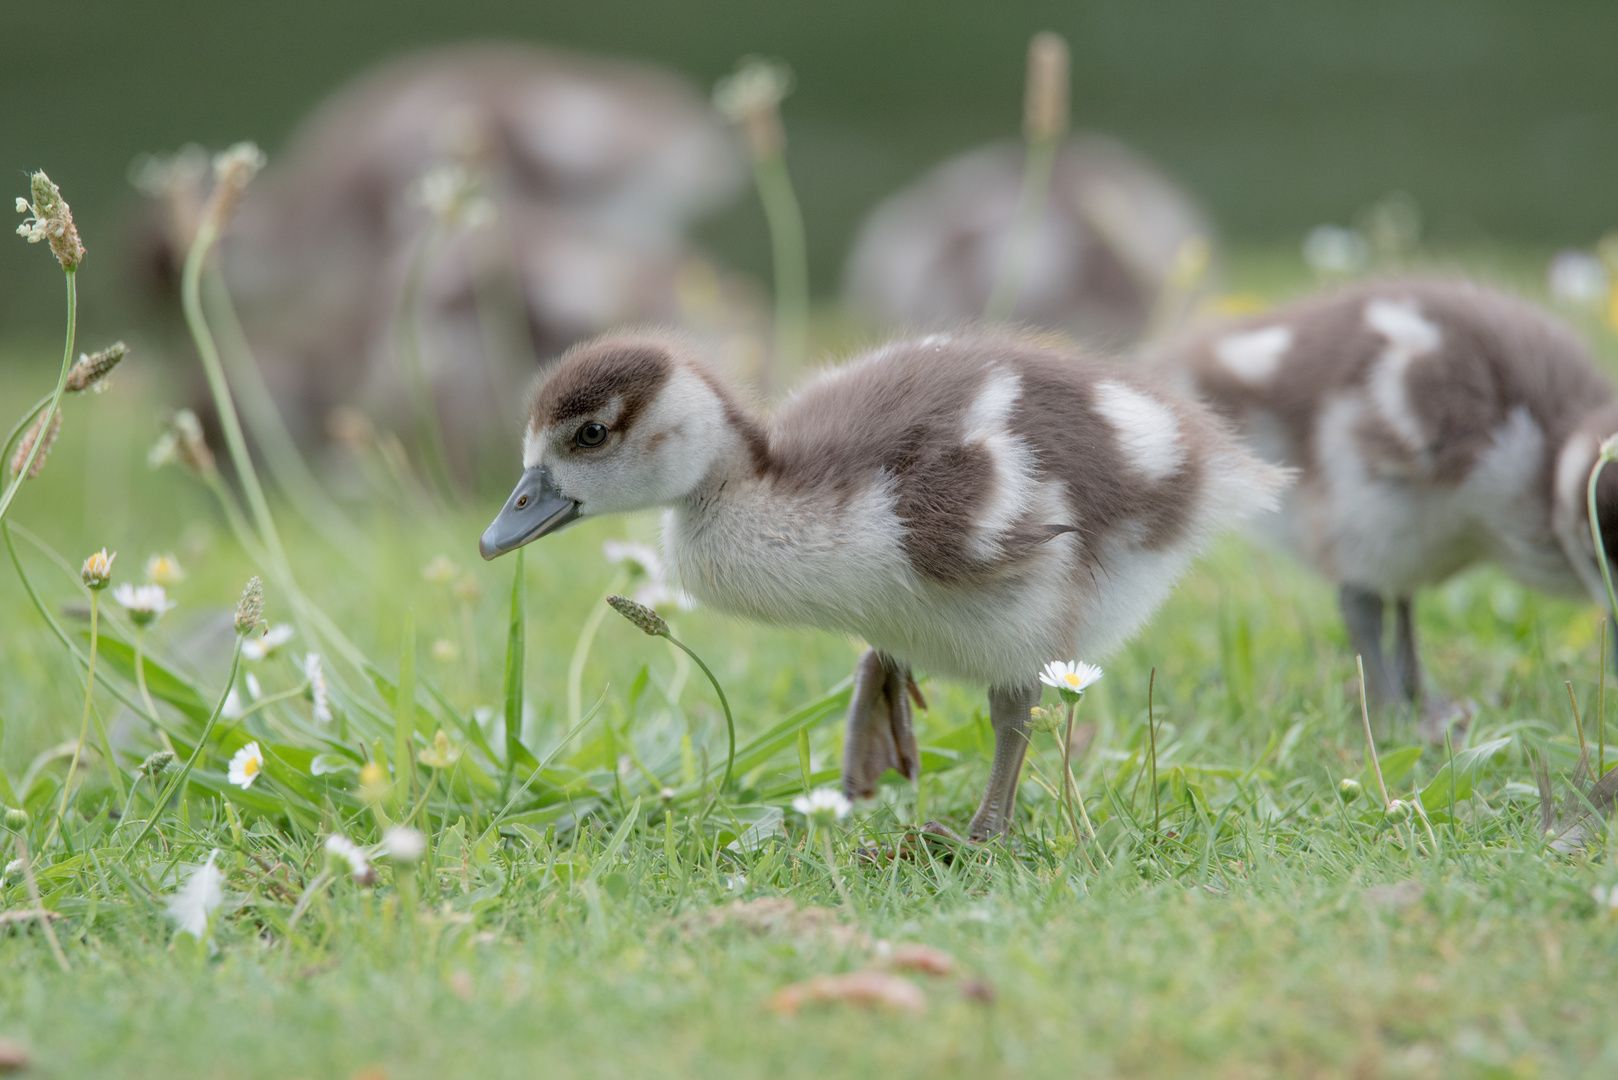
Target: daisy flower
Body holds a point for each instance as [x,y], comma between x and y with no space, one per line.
[198,898]
[1070,678]
[317,687]
[246,766]
[343,850]
[97,569]
[145,603]
[403,844]
[260,647]
[823,806]
[164,570]
[646,568]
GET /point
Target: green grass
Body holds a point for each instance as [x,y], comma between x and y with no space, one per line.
[1259,928]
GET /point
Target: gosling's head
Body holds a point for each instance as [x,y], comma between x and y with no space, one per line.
[625,422]
[1571,514]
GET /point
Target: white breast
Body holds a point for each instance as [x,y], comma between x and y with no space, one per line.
[803,561]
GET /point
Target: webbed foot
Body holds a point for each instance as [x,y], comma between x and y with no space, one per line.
[880,735]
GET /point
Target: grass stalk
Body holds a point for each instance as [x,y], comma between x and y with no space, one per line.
[291,472]
[1370,740]
[1601,705]
[229,421]
[836,874]
[55,401]
[41,915]
[202,740]
[407,350]
[1031,201]
[581,651]
[1151,734]
[724,703]
[84,724]
[790,264]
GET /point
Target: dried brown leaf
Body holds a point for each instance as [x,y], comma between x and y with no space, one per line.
[1399,894]
[920,958]
[777,916]
[867,989]
[13,1056]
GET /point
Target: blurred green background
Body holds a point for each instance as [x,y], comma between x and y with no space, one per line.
[1500,117]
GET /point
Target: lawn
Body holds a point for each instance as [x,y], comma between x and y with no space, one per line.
[592,901]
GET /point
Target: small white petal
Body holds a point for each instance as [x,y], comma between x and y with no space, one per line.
[198,898]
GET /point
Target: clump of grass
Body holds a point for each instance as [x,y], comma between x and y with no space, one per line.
[751,99]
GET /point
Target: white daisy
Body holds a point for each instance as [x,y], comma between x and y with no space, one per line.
[273,638]
[1070,677]
[404,844]
[647,570]
[823,806]
[345,851]
[145,603]
[246,766]
[254,690]
[198,898]
[232,709]
[317,687]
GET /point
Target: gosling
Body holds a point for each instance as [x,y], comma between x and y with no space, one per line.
[974,504]
[1435,424]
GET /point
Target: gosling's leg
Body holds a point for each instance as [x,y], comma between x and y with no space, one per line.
[1406,668]
[880,736]
[1436,712]
[1008,712]
[1362,613]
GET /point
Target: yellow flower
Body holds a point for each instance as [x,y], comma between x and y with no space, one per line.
[373,781]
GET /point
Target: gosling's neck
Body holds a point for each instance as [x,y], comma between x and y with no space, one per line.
[742,457]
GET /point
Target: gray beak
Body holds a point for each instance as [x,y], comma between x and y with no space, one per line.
[534,509]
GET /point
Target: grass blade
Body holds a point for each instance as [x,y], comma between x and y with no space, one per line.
[404,714]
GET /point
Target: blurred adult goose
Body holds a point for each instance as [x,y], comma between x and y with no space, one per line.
[975,505]
[1113,230]
[597,164]
[1435,423]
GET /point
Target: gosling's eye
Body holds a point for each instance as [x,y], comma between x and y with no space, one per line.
[591,435]
[522,501]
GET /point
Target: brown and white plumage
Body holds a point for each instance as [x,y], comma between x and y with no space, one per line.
[973,504]
[1434,424]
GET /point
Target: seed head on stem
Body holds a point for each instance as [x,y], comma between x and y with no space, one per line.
[45,436]
[751,99]
[92,368]
[50,220]
[1046,94]
[182,444]
[649,621]
[233,170]
[250,608]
